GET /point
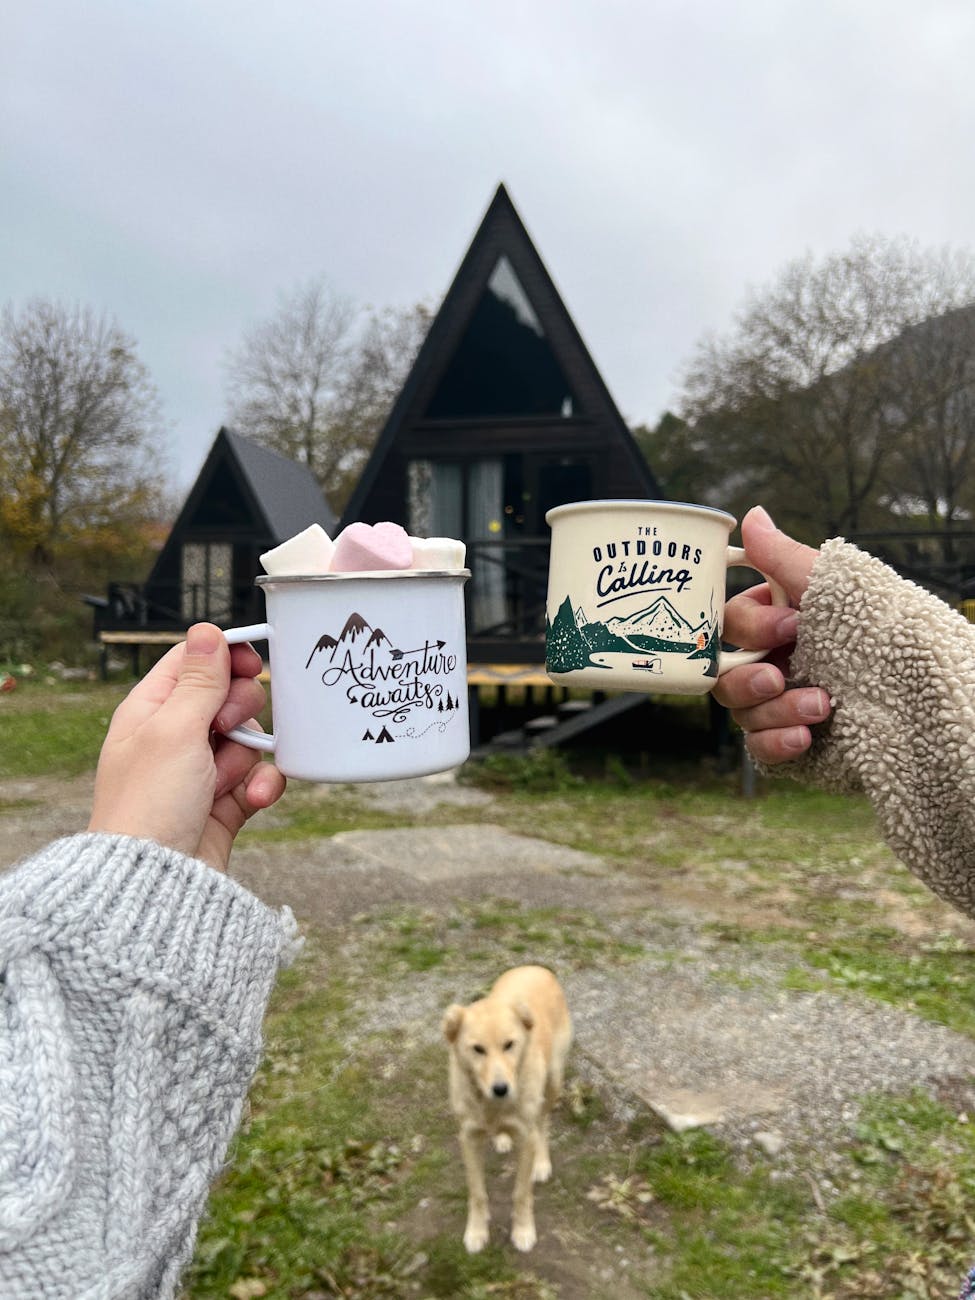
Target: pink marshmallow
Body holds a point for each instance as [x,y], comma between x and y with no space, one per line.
[366,547]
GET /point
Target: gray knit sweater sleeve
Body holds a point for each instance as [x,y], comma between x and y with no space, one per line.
[133,982]
[900,666]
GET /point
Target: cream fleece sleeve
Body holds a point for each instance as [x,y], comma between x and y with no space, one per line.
[900,666]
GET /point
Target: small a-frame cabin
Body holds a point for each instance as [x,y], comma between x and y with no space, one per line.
[245,500]
[503,416]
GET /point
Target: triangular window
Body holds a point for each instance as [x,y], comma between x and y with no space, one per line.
[222,504]
[503,365]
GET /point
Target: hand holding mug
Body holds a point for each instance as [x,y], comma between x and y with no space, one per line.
[776,720]
[166,772]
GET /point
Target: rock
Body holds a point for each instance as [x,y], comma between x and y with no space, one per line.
[771,1143]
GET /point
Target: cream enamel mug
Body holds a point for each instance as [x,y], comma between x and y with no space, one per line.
[636,595]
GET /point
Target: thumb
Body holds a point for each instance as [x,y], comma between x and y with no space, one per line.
[203,678]
[776,554]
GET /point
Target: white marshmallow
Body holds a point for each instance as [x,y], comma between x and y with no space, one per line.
[438,553]
[307,553]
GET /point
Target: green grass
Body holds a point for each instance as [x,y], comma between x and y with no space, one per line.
[335,1149]
[393,942]
[345,1182]
[305,818]
[345,1179]
[728,1231]
[54,731]
[935,979]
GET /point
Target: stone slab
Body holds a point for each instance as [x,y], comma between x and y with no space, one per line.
[448,853]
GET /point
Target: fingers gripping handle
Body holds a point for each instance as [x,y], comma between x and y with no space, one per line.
[736,658]
[247,735]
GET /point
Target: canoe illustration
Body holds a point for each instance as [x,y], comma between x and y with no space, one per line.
[648,665]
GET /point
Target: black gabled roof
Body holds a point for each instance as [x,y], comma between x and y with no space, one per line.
[501,231]
[283,496]
[287,493]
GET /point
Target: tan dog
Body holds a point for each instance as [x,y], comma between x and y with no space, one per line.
[507,1057]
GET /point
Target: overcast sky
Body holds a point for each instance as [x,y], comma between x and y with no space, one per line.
[181,165]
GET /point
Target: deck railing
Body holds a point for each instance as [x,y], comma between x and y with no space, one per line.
[505,597]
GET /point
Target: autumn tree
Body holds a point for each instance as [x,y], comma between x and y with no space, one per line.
[77,417]
[802,404]
[382,354]
[681,458]
[316,380]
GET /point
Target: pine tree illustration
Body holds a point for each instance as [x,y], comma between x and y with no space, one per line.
[565,648]
[440,706]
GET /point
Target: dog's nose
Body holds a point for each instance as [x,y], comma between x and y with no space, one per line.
[500,1089]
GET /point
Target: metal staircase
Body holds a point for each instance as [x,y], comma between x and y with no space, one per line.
[571,718]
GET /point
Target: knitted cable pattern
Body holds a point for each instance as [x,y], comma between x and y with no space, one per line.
[900,667]
[133,983]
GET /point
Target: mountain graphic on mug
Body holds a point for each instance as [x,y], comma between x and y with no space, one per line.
[572,638]
[356,635]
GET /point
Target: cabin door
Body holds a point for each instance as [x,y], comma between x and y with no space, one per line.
[206,582]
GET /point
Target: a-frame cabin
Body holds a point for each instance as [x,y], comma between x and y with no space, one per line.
[503,416]
[245,500]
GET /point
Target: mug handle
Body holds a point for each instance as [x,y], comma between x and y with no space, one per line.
[247,735]
[728,659]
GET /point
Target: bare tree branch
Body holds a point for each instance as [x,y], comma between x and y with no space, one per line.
[79,413]
[316,381]
[806,403]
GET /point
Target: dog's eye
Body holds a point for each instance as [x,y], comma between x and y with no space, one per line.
[509,1044]
[479,1049]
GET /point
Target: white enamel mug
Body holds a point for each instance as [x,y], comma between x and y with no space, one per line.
[636,595]
[368,674]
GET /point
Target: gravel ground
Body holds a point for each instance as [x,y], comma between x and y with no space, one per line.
[699,1033]
[714,1038]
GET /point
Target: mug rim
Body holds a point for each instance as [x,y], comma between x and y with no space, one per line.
[265,579]
[641,503]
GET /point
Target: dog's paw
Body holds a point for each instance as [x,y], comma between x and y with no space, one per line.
[502,1143]
[523,1236]
[541,1171]
[475,1237]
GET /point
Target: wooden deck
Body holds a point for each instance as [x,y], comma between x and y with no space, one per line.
[141,638]
[507,675]
[478,675]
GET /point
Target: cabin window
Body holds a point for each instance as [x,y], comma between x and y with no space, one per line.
[436,499]
[466,500]
[206,581]
[503,365]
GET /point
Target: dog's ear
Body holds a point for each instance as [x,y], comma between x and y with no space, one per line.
[524,1014]
[451,1022]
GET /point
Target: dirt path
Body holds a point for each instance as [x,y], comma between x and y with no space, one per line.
[700,1034]
[698,1031]
[35,810]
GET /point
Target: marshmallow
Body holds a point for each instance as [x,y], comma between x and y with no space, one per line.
[437,553]
[369,547]
[307,553]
